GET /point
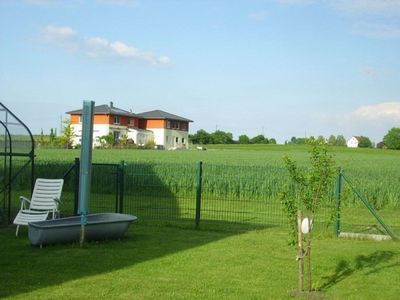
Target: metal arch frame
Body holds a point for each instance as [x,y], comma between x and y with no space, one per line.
[8,153]
[7,185]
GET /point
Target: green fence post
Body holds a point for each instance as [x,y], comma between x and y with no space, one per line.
[198,193]
[76,185]
[338,202]
[117,187]
[121,186]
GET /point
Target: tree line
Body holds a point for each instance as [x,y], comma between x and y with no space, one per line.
[221,137]
[390,141]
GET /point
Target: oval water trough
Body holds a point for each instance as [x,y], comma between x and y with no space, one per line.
[99,227]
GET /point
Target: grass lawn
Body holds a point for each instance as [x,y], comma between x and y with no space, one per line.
[171,262]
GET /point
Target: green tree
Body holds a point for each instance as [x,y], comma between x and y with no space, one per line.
[311,188]
[340,140]
[68,134]
[332,140]
[272,141]
[52,136]
[244,139]
[221,137]
[201,137]
[259,139]
[364,142]
[123,140]
[41,138]
[392,138]
[321,139]
[107,141]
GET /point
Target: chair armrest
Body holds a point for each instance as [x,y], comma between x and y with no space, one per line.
[57,201]
[23,201]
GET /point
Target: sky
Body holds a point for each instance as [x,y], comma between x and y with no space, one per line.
[281,68]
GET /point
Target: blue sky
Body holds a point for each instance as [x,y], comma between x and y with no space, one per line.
[281,68]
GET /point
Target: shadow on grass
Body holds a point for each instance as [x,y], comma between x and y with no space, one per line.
[25,268]
[371,264]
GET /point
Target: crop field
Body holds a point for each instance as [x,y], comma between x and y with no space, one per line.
[240,183]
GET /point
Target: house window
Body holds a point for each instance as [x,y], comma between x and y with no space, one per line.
[175,124]
[166,138]
[168,124]
[176,139]
[183,140]
[116,120]
[80,119]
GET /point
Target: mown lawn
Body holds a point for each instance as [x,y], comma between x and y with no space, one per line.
[171,262]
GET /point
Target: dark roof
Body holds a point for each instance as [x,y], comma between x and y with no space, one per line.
[106,110]
[159,114]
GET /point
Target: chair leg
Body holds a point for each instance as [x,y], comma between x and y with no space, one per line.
[16,232]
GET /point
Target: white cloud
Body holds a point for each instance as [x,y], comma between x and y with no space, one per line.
[387,111]
[100,47]
[64,37]
[97,47]
[377,19]
[368,6]
[371,18]
[369,120]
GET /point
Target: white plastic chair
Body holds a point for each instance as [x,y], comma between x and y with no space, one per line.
[45,199]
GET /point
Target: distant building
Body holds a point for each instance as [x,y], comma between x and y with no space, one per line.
[352,142]
[165,129]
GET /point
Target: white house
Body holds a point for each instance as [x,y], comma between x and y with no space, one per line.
[352,142]
[165,129]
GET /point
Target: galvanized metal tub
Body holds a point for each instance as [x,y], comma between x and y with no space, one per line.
[99,227]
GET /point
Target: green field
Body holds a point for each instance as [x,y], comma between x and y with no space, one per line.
[373,171]
[241,183]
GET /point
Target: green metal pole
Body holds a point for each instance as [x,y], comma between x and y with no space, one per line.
[121,186]
[338,202]
[198,193]
[370,208]
[85,166]
[76,186]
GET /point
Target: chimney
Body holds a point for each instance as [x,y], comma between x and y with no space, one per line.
[111,104]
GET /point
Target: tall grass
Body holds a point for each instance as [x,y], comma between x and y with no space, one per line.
[239,183]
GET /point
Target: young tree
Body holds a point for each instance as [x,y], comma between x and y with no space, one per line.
[311,188]
[52,136]
[272,141]
[41,138]
[392,138]
[68,135]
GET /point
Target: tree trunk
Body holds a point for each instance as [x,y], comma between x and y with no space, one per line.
[300,252]
[309,255]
